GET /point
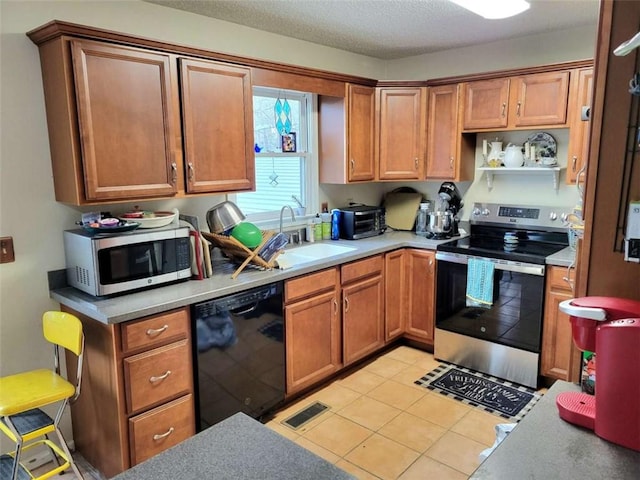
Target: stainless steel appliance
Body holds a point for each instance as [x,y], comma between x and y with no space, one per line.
[361,221]
[443,222]
[101,264]
[502,337]
[239,357]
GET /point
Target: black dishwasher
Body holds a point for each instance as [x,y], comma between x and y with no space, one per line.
[239,359]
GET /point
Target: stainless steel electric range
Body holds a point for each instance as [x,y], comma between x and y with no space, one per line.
[502,334]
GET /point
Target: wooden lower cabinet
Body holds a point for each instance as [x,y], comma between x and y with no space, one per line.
[560,358]
[313,337]
[395,301]
[137,390]
[160,428]
[362,308]
[420,268]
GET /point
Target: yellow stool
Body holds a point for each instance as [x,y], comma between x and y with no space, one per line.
[23,394]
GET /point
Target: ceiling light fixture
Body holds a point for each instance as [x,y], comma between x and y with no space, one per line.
[494,9]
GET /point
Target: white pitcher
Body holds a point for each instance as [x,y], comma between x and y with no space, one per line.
[513,157]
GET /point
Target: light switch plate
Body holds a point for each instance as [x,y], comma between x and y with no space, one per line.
[7,254]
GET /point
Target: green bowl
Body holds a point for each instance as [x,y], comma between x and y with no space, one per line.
[247,234]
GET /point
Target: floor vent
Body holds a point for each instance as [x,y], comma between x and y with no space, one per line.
[305,415]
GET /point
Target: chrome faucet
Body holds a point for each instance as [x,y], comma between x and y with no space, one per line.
[293,216]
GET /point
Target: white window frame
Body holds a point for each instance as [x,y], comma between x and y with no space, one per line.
[308,151]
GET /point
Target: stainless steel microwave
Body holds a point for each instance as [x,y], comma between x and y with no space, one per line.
[106,265]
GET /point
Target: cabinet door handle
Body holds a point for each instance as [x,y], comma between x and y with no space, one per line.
[157,437]
[451,163]
[161,377]
[568,277]
[504,109]
[191,171]
[352,162]
[335,306]
[415,161]
[174,172]
[154,332]
[574,162]
[346,304]
[518,109]
[581,172]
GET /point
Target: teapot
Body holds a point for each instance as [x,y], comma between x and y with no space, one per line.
[513,157]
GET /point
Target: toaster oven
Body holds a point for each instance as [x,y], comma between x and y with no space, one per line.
[361,221]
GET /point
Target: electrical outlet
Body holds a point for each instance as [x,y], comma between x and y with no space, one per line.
[7,254]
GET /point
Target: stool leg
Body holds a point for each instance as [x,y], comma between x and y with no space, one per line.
[52,451]
[63,445]
[19,442]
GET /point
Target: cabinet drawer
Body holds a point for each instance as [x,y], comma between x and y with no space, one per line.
[556,278]
[157,375]
[362,268]
[311,284]
[156,330]
[163,427]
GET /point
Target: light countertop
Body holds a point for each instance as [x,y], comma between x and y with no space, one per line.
[543,446]
[157,300]
[238,448]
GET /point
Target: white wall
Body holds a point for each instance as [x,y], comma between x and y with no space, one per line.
[28,211]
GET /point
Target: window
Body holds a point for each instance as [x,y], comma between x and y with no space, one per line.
[282,174]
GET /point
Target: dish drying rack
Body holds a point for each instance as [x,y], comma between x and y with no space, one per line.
[231,247]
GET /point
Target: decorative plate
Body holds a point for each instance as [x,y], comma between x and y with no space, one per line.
[119,228]
[545,145]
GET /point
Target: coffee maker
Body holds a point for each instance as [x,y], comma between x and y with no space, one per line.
[451,202]
[610,327]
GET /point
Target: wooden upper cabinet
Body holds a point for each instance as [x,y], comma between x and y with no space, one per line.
[346,136]
[401,133]
[361,139]
[450,154]
[486,104]
[217,115]
[442,132]
[126,122]
[580,99]
[540,99]
[524,101]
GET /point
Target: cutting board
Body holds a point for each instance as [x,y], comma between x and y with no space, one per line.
[401,209]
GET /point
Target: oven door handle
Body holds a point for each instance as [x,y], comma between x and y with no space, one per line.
[527,268]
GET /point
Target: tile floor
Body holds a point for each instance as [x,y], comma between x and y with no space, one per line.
[383,426]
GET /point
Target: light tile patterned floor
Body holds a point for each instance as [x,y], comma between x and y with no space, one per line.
[383,426]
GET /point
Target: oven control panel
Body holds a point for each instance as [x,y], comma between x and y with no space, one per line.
[518,215]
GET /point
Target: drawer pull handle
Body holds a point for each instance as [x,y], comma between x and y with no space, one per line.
[157,437]
[152,332]
[161,377]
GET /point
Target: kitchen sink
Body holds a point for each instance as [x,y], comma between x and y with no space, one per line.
[310,253]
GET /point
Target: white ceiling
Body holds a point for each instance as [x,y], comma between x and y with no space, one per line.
[389,29]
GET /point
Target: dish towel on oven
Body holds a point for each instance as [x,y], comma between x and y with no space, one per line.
[480,283]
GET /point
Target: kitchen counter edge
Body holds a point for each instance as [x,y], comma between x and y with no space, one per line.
[123,308]
[544,446]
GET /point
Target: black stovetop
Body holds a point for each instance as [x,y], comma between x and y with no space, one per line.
[533,245]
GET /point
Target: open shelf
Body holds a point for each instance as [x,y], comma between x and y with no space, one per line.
[553,172]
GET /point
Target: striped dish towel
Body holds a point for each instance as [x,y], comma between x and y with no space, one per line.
[480,283]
